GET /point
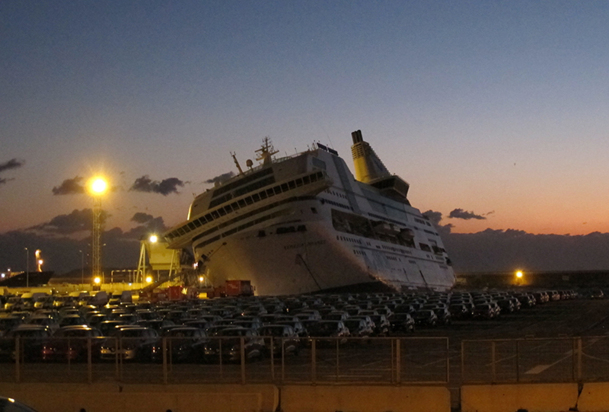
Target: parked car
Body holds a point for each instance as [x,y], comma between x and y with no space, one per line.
[226,344]
[401,322]
[425,317]
[284,339]
[31,341]
[186,344]
[71,343]
[132,343]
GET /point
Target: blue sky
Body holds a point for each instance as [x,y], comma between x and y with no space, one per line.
[498,108]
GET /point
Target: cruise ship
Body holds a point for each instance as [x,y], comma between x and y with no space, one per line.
[305,224]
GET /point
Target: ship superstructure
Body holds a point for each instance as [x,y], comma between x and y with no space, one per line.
[304,224]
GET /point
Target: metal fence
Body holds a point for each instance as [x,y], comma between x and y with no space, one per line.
[577,359]
[328,360]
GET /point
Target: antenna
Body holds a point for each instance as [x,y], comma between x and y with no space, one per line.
[234,155]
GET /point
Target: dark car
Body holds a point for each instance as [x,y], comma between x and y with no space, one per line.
[11,405]
[283,337]
[31,341]
[8,323]
[484,311]
[71,343]
[132,343]
[226,343]
[186,344]
[401,322]
[358,327]
[329,329]
[425,317]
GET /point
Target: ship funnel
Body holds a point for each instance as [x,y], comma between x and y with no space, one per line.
[368,166]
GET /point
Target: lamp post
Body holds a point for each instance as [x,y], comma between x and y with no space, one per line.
[27,268]
[98,188]
[82,267]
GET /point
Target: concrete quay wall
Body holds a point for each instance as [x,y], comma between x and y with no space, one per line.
[227,398]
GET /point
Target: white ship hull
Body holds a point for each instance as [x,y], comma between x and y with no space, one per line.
[303,225]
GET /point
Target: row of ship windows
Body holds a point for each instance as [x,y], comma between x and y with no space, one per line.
[248,215]
[349,239]
[256,197]
[335,204]
[242,227]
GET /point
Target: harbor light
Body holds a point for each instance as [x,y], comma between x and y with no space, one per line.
[97,280]
[98,185]
[148,279]
[153,238]
[201,279]
[519,274]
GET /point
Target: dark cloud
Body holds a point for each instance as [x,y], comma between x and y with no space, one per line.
[164,187]
[462,214]
[77,221]
[11,164]
[504,250]
[70,187]
[221,178]
[154,225]
[141,217]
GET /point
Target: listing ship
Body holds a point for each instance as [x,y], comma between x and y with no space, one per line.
[304,224]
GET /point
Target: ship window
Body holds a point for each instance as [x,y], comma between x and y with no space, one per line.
[301,228]
[242,203]
[298,182]
[228,208]
[221,212]
[318,163]
[425,247]
[181,231]
[306,180]
[208,217]
[284,187]
[277,190]
[256,197]
[292,184]
[314,210]
[261,233]
[314,178]
[191,226]
[262,195]
[249,200]
[270,192]
[198,223]
[214,214]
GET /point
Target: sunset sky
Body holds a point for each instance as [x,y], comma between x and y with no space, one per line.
[496,111]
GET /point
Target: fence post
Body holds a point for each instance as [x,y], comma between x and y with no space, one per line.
[494,372]
[242,339]
[17,356]
[313,360]
[89,360]
[463,361]
[579,359]
[164,350]
[518,360]
[337,359]
[447,360]
[398,361]
[272,352]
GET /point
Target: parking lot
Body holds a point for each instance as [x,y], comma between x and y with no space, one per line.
[556,341]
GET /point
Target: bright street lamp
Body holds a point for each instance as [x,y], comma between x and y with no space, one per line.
[98,187]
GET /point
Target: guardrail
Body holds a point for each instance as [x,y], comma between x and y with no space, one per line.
[393,360]
[539,360]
